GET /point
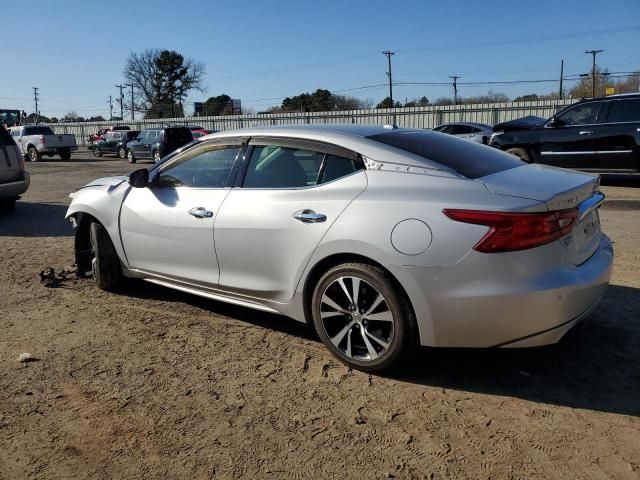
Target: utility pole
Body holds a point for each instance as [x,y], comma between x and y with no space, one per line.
[593,70]
[35,99]
[121,100]
[455,88]
[561,76]
[132,114]
[388,53]
[110,108]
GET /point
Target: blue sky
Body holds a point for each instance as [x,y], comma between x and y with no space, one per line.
[255,50]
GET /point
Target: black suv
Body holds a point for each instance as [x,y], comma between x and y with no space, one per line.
[600,135]
[115,142]
[155,143]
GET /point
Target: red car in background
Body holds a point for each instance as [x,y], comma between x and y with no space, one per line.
[99,135]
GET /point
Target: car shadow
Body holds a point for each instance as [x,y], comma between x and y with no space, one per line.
[596,366]
[35,220]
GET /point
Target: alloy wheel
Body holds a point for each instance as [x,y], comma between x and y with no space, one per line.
[356,318]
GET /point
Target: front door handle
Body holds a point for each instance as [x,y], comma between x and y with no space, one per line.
[201,212]
[586,132]
[309,216]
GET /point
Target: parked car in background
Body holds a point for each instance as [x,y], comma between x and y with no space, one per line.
[37,140]
[155,143]
[382,238]
[115,143]
[14,180]
[599,135]
[197,131]
[99,135]
[476,132]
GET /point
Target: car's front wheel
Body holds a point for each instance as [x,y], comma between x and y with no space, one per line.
[156,156]
[105,264]
[130,157]
[96,152]
[362,317]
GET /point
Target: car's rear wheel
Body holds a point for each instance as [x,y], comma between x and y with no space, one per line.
[362,317]
[521,153]
[8,204]
[65,154]
[122,152]
[130,157]
[105,264]
[33,154]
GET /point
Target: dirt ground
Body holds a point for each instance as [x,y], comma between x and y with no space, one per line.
[152,383]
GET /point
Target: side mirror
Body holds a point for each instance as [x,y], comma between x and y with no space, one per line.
[139,178]
[555,122]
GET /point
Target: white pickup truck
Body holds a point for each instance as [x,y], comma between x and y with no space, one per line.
[37,140]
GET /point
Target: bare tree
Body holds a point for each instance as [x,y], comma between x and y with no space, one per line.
[161,80]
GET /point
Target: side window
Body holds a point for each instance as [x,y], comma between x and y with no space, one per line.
[336,167]
[205,168]
[460,130]
[108,136]
[443,129]
[15,132]
[116,135]
[624,111]
[583,114]
[282,167]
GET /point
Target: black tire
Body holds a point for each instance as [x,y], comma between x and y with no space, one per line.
[65,154]
[130,157]
[404,337]
[8,204]
[97,152]
[33,154]
[521,153]
[122,153]
[156,156]
[105,264]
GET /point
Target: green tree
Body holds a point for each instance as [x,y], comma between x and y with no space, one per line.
[386,103]
[219,105]
[423,102]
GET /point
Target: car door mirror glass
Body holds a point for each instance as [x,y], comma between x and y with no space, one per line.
[139,178]
[555,122]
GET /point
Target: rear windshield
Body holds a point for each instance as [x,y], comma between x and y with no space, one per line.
[177,136]
[469,159]
[5,137]
[37,131]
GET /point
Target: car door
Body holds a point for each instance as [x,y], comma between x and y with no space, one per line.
[617,138]
[9,163]
[268,227]
[567,140]
[107,143]
[136,146]
[167,228]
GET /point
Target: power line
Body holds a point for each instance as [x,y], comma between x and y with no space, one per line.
[455,88]
[388,54]
[593,53]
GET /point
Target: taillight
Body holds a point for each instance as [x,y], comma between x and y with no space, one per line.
[41,138]
[20,158]
[516,231]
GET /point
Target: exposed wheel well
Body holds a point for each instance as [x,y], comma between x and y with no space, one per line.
[331,261]
[83,242]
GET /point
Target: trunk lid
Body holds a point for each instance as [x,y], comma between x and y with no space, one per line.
[558,189]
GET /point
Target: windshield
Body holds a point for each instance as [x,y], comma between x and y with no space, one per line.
[469,159]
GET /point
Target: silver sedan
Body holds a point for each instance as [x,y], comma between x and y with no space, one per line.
[382,238]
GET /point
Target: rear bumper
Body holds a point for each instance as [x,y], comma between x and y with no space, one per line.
[14,189]
[520,299]
[54,150]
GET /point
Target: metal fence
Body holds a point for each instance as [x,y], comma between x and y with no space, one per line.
[412,117]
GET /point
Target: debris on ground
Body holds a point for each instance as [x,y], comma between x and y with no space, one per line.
[52,279]
[26,358]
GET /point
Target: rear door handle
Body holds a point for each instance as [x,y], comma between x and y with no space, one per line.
[586,132]
[309,216]
[200,212]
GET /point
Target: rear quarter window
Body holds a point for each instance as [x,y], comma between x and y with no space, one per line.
[469,159]
[37,131]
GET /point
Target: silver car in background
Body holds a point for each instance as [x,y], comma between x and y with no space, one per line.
[475,132]
[382,238]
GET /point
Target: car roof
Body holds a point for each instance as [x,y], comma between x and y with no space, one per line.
[349,136]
